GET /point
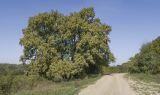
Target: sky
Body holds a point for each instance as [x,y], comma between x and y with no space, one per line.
[133,22]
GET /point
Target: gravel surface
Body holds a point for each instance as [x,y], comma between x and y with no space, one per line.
[114,84]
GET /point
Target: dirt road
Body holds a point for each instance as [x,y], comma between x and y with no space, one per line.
[113,84]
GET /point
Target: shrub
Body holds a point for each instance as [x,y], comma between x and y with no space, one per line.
[15,83]
[6,84]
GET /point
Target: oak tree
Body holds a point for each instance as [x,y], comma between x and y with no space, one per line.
[61,46]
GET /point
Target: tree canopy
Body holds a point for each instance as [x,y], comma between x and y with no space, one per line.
[61,46]
[148,59]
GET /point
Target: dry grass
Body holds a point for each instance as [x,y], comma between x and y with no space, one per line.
[145,84]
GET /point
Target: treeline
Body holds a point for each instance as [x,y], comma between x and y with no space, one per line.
[115,69]
[147,60]
[12,69]
[60,47]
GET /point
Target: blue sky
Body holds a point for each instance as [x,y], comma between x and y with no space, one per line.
[133,22]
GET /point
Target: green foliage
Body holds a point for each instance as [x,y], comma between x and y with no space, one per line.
[60,47]
[124,68]
[10,83]
[148,60]
[111,70]
[12,69]
[6,84]
[12,78]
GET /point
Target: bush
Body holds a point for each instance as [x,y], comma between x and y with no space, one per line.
[14,83]
[24,82]
[6,84]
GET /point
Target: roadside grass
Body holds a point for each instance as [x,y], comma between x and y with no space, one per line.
[145,84]
[146,77]
[62,88]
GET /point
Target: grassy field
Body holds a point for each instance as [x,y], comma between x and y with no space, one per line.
[63,88]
